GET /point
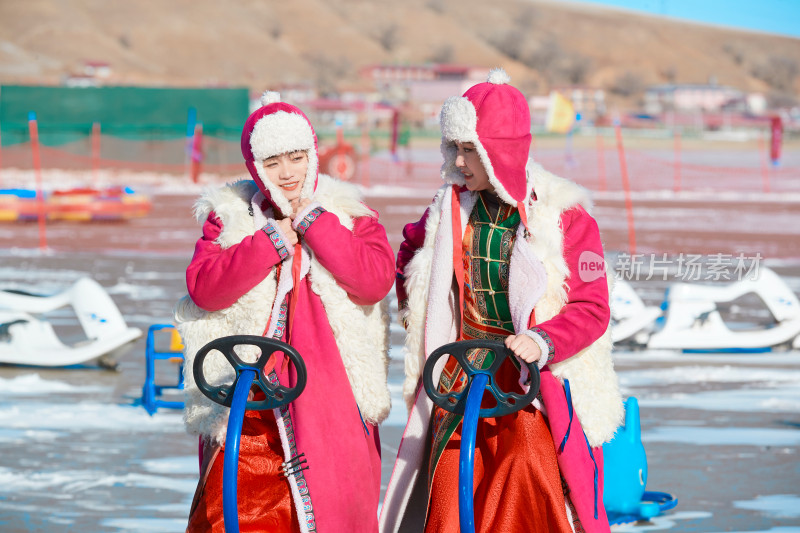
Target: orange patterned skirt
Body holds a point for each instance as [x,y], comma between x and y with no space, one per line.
[517,484]
[264,497]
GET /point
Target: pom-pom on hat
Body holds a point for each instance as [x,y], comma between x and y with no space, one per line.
[495,117]
[273,129]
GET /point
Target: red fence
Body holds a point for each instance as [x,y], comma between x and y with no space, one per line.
[661,165]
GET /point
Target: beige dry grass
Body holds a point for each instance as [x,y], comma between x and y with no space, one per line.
[260,43]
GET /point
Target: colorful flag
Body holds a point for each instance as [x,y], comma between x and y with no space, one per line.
[560,114]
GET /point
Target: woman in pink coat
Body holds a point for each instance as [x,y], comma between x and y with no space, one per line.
[506,251]
[295,256]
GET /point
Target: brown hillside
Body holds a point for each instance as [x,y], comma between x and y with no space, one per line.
[260,43]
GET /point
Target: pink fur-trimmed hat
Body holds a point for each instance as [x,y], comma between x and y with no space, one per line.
[273,129]
[495,117]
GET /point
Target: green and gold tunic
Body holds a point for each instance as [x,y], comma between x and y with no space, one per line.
[486,252]
[516,477]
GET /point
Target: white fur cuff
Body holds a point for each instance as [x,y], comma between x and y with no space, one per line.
[542,346]
[306,217]
[302,214]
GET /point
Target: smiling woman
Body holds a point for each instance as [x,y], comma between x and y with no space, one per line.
[288,171]
[296,256]
[469,163]
[492,259]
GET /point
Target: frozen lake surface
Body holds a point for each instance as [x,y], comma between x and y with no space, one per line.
[77,454]
[722,432]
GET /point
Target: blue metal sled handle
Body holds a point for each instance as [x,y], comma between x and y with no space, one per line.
[466,463]
[246,376]
[230,468]
[468,403]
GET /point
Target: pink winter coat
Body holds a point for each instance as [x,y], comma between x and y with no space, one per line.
[583,320]
[343,452]
[574,329]
[490,126]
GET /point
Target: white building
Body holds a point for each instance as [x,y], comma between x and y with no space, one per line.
[690,97]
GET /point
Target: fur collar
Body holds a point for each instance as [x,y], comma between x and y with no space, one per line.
[361,332]
[539,272]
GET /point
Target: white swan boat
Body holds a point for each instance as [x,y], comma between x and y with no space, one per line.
[689,318]
[631,319]
[26,338]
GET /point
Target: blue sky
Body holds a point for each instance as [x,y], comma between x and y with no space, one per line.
[772,16]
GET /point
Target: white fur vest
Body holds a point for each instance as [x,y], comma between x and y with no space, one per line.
[538,282]
[361,332]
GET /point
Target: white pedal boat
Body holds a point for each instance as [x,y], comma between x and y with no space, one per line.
[689,318]
[631,319]
[692,321]
[28,339]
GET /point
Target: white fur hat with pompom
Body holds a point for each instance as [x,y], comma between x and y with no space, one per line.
[278,131]
[494,116]
[274,129]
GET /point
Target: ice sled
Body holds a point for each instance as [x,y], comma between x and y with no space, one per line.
[468,401]
[692,321]
[236,396]
[624,459]
[625,474]
[29,339]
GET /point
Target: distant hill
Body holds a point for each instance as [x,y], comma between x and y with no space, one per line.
[261,43]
